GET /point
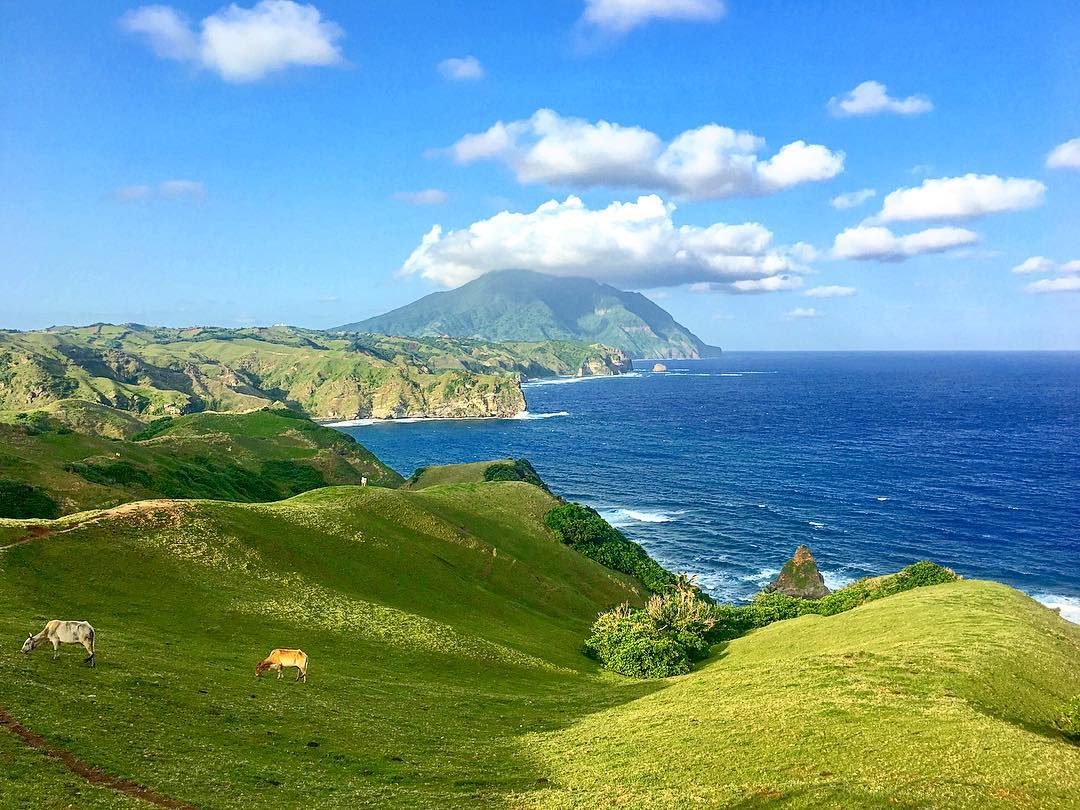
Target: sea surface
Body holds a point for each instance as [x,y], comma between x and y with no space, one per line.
[875,460]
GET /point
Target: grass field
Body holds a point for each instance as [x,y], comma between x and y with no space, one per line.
[444,627]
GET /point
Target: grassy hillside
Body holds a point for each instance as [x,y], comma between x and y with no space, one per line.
[523,305]
[444,627]
[47,469]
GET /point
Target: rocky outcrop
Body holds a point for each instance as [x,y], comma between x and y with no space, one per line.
[605,362]
[800,577]
[659,368]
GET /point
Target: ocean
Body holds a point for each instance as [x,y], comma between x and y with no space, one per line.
[875,460]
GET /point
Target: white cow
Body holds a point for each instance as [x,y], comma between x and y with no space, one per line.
[59,632]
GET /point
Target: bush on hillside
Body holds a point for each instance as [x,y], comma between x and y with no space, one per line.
[584,530]
[19,500]
[518,470]
[1068,722]
[155,428]
[658,641]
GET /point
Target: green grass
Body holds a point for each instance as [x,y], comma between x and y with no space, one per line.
[445,627]
[257,456]
[439,475]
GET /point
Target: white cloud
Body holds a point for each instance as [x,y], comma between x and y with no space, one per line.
[1036,264]
[460,69]
[1065,156]
[851,199]
[709,162]
[429,196]
[167,190]
[1055,285]
[830,291]
[872,98]
[178,189]
[620,16]
[800,313]
[241,44]
[870,242]
[959,198]
[635,244]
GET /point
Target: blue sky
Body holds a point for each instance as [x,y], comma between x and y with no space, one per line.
[192,164]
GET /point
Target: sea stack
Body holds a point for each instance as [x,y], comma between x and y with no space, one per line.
[800,577]
[659,367]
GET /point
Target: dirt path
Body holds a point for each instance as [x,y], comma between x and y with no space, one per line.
[89,773]
[42,530]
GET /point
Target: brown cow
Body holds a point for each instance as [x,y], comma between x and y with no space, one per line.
[282,659]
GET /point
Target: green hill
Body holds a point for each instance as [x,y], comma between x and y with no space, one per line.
[151,371]
[47,469]
[445,627]
[524,305]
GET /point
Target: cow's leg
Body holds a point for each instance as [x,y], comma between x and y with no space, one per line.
[55,648]
[280,672]
[89,651]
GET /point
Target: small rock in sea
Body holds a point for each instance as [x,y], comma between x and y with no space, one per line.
[659,367]
[800,577]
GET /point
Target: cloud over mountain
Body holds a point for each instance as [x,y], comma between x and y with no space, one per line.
[710,162]
[634,244]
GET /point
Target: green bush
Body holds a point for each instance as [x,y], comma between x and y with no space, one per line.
[518,470]
[627,641]
[584,530]
[19,500]
[1068,722]
[122,473]
[155,428]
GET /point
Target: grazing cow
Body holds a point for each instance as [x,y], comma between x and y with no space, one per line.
[363,480]
[281,660]
[58,632]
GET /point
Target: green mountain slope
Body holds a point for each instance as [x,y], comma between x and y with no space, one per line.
[524,305]
[154,371]
[46,469]
[444,627]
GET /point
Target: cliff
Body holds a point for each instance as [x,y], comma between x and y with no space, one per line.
[800,577]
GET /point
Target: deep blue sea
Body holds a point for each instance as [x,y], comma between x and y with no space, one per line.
[875,460]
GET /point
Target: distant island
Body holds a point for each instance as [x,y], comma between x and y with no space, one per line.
[525,305]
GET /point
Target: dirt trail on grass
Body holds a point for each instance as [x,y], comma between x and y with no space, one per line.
[42,531]
[91,774]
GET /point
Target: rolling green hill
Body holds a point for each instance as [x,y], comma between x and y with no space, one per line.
[524,305]
[150,371]
[445,626]
[47,469]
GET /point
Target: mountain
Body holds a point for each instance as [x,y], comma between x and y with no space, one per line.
[524,305]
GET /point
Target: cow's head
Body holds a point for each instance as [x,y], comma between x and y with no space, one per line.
[28,645]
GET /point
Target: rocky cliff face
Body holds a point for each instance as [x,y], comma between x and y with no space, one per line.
[605,363]
[800,577]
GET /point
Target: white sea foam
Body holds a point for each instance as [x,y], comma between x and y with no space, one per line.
[1069,606]
[763,575]
[882,498]
[815,524]
[834,580]
[628,517]
[531,415]
[647,517]
[568,380]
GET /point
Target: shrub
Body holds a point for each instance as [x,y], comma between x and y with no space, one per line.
[626,640]
[584,530]
[155,428]
[1068,722]
[122,473]
[518,470]
[19,500]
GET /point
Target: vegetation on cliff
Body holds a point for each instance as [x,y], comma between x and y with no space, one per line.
[151,371]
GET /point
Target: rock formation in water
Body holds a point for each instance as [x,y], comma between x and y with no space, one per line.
[800,577]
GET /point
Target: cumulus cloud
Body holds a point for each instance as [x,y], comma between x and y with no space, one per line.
[635,244]
[872,98]
[751,286]
[800,313]
[1036,264]
[167,190]
[851,199]
[429,196]
[960,198]
[1065,156]
[461,69]
[830,291]
[1055,285]
[240,44]
[621,16]
[881,244]
[709,162]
